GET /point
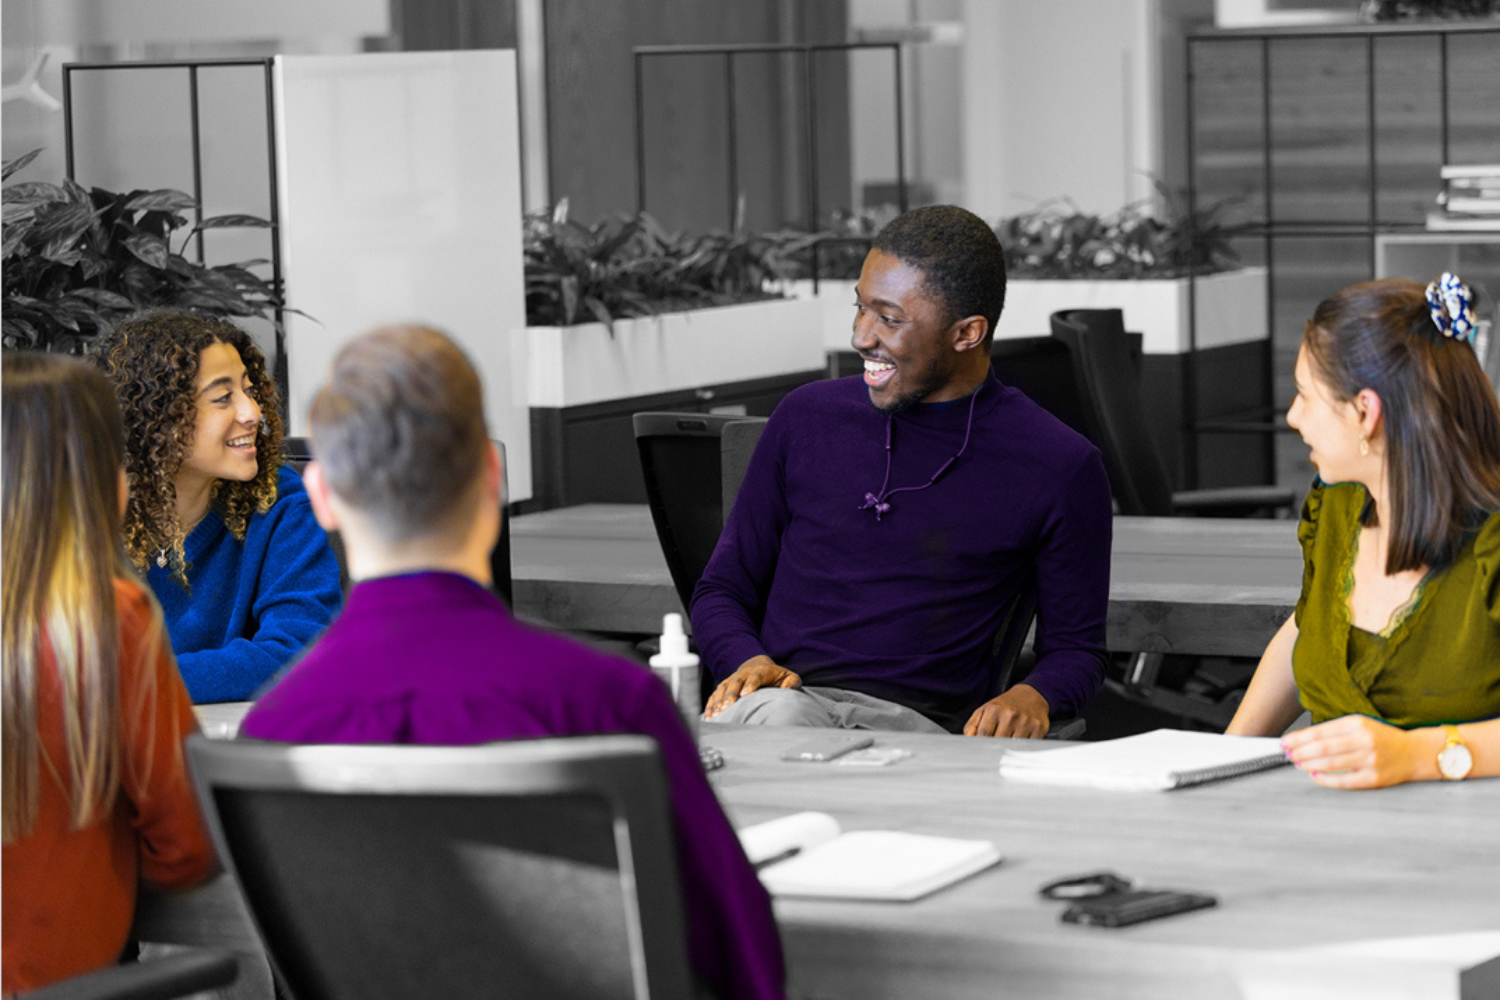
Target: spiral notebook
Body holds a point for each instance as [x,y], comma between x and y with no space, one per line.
[1154,761]
[806,854]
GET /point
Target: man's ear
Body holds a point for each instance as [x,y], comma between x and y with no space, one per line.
[124,492]
[969,333]
[320,496]
[494,474]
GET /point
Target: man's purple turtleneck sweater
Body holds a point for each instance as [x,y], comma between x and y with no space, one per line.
[906,607]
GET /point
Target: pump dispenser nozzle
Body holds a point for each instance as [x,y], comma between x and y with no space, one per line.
[674,641]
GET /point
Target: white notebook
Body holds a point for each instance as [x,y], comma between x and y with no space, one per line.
[805,854]
[1161,759]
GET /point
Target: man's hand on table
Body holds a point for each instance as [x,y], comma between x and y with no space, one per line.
[755,673]
[1021,711]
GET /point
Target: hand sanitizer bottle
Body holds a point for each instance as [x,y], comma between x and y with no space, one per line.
[678,669]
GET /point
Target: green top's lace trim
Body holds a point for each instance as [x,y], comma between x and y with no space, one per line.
[1399,614]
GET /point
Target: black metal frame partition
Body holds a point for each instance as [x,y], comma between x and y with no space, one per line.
[1269,229]
[809,76]
[192,66]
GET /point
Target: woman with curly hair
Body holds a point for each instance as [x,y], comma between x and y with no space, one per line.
[224,533]
[1394,646]
[96,791]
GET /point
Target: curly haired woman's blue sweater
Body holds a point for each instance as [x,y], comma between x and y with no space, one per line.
[253,605]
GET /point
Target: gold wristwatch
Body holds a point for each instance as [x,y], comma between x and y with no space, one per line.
[1454,760]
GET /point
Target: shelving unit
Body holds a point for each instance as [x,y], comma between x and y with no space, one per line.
[1333,137]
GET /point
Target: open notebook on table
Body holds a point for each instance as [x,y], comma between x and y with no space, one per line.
[806,854]
[1154,761]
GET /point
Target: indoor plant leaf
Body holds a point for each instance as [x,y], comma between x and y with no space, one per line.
[150,249]
[104,297]
[164,200]
[236,221]
[11,166]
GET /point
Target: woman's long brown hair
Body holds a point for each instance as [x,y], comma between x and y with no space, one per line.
[62,454]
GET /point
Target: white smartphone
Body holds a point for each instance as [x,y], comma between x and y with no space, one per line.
[827,746]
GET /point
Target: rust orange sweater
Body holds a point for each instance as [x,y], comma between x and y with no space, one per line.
[69,895]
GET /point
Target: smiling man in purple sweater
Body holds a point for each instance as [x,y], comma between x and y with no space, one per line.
[885,522]
[424,653]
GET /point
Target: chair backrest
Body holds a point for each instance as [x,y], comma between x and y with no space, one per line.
[680,460]
[736,444]
[297,452]
[1042,368]
[192,973]
[1007,667]
[1100,349]
[529,868]
[1012,659]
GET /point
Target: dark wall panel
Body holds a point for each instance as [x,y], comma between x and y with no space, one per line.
[438,25]
[591,109]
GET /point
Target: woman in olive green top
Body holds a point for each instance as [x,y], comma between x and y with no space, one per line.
[1394,646]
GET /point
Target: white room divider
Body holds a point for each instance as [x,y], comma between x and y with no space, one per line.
[400,201]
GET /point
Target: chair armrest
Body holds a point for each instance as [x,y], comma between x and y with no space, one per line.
[1236,501]
[1067,729]
[177,975]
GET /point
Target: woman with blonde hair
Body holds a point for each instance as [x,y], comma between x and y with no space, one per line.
[222,530]
[96,793]
[1394,646]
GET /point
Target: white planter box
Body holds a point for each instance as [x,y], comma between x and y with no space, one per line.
[577,365]
[1231,308]
[835,300]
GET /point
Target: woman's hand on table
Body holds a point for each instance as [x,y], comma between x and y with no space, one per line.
[1356,751]
[752,675]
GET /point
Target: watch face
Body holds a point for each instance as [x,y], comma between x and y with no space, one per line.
[1455,761]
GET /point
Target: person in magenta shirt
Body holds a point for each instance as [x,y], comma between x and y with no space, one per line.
[424,653]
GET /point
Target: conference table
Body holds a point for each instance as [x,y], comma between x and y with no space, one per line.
[1322,893]
[1207,586]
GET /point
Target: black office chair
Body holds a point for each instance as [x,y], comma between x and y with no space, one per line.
[182,974]
[1115,417]
[1042,368]
[534,868]
[1012,658]
[1202,692]
[737,441]
[297,452]
[681,463]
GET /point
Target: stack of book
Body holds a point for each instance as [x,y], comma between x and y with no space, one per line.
[1470,198]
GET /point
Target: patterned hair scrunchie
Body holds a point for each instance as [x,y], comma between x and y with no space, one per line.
[1452,306]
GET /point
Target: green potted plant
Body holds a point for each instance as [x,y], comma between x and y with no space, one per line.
[827,273]
[1058,241]
[625,308]
[1139,259]
[77,261]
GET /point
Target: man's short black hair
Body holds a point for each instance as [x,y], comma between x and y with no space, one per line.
[958,254]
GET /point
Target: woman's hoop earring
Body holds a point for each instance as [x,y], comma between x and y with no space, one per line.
[1364,446]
